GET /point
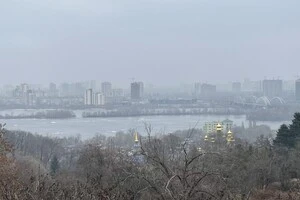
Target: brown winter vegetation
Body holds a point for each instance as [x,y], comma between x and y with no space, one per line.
[168,167]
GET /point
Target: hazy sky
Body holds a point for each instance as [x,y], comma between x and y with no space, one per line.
[156,41]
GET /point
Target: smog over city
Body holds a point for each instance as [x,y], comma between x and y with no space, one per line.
[150,99]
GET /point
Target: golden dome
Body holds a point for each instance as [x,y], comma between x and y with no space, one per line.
[206,138]
[219,127]
[230,137]
[136,138]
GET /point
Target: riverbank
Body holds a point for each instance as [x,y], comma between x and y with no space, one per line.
[160,112]
[47,114]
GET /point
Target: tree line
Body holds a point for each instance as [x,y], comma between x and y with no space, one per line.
[179,165]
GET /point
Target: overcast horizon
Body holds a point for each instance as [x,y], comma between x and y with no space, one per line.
[164,42]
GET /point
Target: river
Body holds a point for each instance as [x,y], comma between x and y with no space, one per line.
[88,127]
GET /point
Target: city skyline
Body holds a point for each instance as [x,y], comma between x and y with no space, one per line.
[150,99]
[116,84]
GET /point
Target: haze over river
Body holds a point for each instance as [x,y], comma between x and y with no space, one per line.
[88,127]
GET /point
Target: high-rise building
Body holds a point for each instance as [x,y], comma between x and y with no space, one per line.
[118,92]
[272,88]
[88,98]
[197,88]
[78,88]
[52,90]
[288,86]
[93,84]
[208,89]
[24,87]
[137,90]
[21,90]
[141,89]
[52,86]
[65,89]
[29,98]
[236,87]
[99,99]
[106,88]
[252,86]
[297,90]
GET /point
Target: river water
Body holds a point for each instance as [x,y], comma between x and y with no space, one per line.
[88,127]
